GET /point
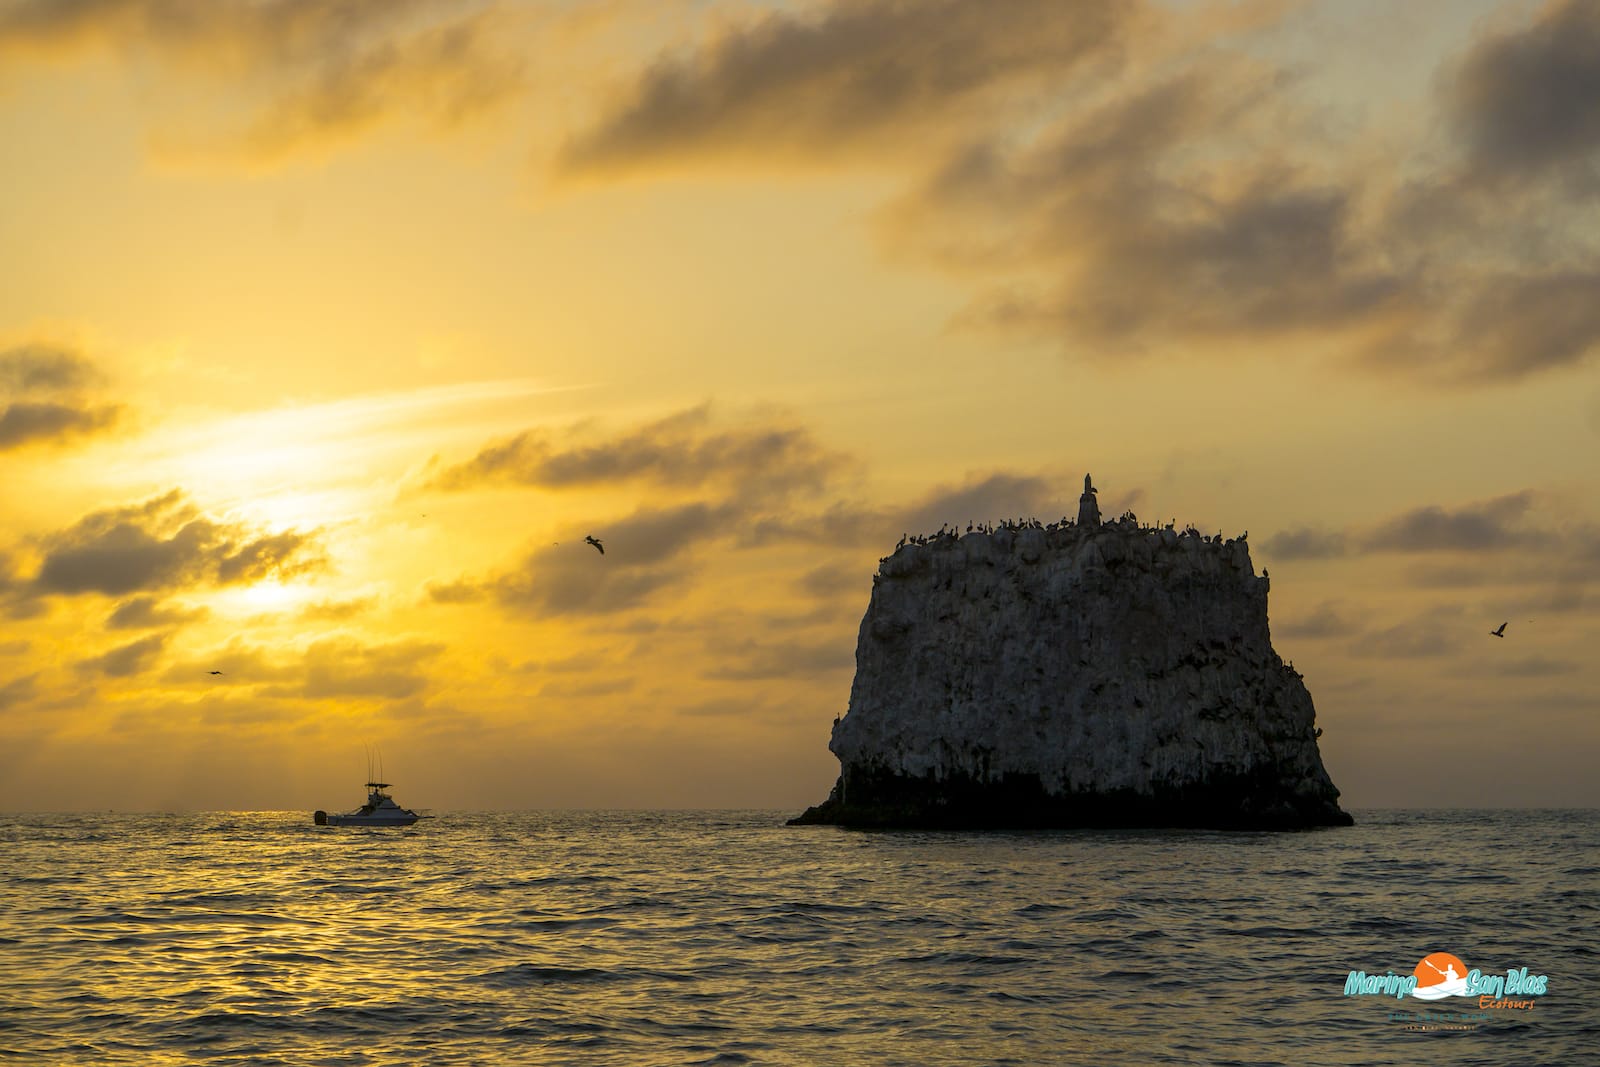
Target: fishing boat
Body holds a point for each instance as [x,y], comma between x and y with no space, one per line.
[379,810]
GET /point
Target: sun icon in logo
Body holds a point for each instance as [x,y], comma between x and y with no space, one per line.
[1440,975]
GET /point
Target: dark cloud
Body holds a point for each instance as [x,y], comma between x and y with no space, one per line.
[755,484]
[1172,202]
[42,368]
[1484,526]
[987,498]
[645,553]
[148,612]
[1130,234]
[23,423]
[856,76]
[18,690]
[304,69]
[133,658]
[657,548]
[1304,543]
[682,450]
[163,543]
[43,397]
[836,525]
[1523,324]
[1524,99]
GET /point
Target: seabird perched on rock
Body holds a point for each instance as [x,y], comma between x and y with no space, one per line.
[1501,632]
[595,541]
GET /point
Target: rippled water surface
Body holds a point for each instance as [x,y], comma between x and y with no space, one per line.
[727,938]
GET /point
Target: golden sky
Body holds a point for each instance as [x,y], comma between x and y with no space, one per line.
[329,328]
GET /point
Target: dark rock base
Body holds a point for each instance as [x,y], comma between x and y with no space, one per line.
[877,799]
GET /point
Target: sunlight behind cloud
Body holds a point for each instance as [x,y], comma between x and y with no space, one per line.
[320,463]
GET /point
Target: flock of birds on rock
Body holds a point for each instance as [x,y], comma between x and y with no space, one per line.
[947,532]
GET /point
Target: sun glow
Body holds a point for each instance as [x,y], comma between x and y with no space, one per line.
[270,595]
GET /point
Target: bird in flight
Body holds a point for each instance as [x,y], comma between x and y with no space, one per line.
[1501,632]
[213,672]
[595,541]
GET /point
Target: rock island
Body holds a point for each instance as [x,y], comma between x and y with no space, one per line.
[1081,673]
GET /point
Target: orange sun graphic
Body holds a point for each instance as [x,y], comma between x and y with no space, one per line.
[1438,968]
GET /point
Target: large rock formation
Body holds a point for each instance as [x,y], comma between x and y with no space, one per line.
[1080,674]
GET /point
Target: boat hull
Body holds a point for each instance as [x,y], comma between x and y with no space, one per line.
[366,820]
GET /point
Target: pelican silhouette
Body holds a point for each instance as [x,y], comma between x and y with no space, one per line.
[1501,632]
[595,541]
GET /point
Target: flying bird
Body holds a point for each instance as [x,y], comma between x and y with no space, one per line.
[1501,632]
[213,672]
[595,541]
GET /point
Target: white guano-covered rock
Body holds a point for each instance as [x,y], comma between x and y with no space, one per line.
[1075,675]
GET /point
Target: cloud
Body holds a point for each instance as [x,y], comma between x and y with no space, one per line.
[1425,637]
[337,610]
[337,667]
[1126,185]
[1523,101]
[833,579]
[18,690]
[163,543]
[1484,526]
[329,668]
[989,497]
[1324,621]
[646,552]
[746,660]
[682,450]
[750,486]
[1158,215]
[599,687]
[745,484]
[1526,667]
[851,79]
[300,71]
[23,423]
[133,658]
[35,368]
[44,393]
[147,612]
[722,707]
[461,591]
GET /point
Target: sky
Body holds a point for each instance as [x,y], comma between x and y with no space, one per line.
[330,328]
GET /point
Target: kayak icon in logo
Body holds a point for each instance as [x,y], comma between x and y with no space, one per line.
[1440,975]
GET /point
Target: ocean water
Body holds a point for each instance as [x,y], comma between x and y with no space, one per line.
[728,938]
